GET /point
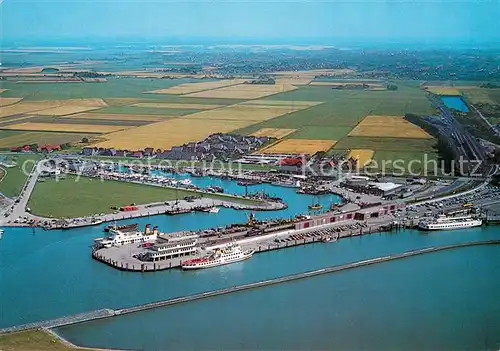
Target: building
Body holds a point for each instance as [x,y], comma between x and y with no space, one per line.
[172,246]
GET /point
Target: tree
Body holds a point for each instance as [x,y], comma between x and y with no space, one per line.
[392,87]
[33,147]
[85,140]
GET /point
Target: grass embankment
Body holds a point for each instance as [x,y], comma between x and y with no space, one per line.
[32,340]
[14,179]
[78,197]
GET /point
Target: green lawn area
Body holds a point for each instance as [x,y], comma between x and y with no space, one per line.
[15,178]
[72,197]
[321,133]
[32,340]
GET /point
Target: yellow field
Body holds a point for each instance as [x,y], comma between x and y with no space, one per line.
[177,106]
[64,110]
[22,107]
[244,91]
[117,117]
[444,91]
[188,88]
[277,133]
[174,132]
[295,80]
[298,147]
[39,105]
[388,127]
[9,101]
[293,104]
[253,114]
[71,128]
[362,155]
[122,101]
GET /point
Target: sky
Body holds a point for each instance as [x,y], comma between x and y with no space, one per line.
[279,21]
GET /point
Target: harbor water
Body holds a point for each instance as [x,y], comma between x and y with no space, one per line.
[443,296]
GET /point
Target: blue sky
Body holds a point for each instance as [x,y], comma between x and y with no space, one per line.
[320,21]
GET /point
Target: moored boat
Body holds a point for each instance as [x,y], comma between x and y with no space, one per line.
[443,222]
[222,256]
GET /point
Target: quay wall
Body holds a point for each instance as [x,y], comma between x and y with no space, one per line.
[107,313]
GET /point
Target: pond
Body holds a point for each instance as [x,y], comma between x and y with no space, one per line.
[455,102]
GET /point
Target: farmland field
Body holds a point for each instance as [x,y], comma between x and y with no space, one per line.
[136,110]
[176,105]
[180,131]
[70,128]
[409,160]
[298,146]
[188,88]
[388,144]
[277,133]
[8,101]
[443,91]
[388,126]
[18,138]
[244,91]
[363,156]
[115,117]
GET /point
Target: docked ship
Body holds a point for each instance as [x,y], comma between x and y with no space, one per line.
[443,222]
[125,227]
[226,255]
[117,237]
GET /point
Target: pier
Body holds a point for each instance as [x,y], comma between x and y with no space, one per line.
[108,313]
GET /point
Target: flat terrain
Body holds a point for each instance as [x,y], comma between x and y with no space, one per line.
[32,340]
[60,127]
[20,138]
[15,177]
[73,197]
[298,146]
[77,197]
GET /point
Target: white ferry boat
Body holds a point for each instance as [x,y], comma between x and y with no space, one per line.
[443,222]
[229,254]
[117,237]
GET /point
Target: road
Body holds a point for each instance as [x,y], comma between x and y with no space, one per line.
[485,120]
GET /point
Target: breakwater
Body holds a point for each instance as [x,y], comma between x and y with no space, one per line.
[107,313]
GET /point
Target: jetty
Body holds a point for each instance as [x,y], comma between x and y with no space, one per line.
[109,313]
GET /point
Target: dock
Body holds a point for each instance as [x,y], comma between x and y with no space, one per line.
[109,313]
[122,257]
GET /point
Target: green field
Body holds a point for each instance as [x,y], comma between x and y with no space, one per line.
[343,108]
[12,183]
[409,160]
[388,144]
[32,340]
[41,138]
[133,110]
[77,197]
[113,88]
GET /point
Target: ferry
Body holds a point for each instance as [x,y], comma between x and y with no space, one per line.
[123,228]
[226,255]
[443,222]
[117,237]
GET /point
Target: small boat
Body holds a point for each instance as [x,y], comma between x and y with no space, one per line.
[123,228]
[213,210]
[1,233]
[316,207]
